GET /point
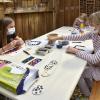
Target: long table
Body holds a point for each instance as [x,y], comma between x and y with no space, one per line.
[60,84]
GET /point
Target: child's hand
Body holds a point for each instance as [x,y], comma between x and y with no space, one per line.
[16,44]
[72,50]
[21,42]
[52,37]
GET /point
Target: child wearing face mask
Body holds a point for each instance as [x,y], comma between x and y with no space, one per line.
[8,38]
[92,71]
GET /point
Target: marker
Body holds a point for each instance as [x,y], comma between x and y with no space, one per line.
[26,52]
[81,49]
[78,46]
[77,42]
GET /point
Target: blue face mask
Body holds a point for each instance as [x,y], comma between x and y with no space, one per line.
[11,31]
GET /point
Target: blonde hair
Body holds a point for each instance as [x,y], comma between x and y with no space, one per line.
[95,17]
[83,16]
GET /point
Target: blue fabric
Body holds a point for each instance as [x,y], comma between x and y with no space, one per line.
[21,85]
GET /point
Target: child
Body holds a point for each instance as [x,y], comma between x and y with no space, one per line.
[92,71]
[81,21]
[8,38]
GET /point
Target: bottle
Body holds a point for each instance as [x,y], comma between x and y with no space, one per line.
[81,28]
[81,25]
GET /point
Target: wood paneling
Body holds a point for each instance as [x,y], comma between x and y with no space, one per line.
[60,13]
[1,11]
[36,18]
[35,22]
[67,11]
[32,25]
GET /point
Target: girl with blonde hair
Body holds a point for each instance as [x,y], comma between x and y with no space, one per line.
[92,71]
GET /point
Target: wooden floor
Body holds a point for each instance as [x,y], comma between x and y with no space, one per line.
[95,95]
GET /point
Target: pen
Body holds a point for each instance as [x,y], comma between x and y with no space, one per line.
[26,52]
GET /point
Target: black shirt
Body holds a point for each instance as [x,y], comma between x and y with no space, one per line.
[11,37]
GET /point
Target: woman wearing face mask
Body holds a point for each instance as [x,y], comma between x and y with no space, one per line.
[8,38]
[92,71]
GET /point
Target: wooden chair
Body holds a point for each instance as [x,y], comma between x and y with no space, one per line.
[95,94]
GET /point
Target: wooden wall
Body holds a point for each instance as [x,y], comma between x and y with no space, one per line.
[67,11]
[37,17]
[34,23]
[31,24]
[1,11]
[45,15]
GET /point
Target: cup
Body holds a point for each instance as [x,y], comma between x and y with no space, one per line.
[51,38]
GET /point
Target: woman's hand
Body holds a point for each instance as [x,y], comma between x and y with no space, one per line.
[72,50]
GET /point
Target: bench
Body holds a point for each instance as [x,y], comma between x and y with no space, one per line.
[95,93]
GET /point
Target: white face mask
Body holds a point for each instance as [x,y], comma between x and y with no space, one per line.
[11,31]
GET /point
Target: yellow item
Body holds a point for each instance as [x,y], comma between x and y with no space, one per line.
[81,25]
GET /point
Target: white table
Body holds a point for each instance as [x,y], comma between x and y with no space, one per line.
[61,83]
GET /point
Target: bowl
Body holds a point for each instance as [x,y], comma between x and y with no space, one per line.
[52,35]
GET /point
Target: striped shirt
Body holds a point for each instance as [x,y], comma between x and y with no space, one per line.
[79,23]
[94,58]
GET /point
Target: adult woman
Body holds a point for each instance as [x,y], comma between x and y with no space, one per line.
[92,71]
[8,39]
